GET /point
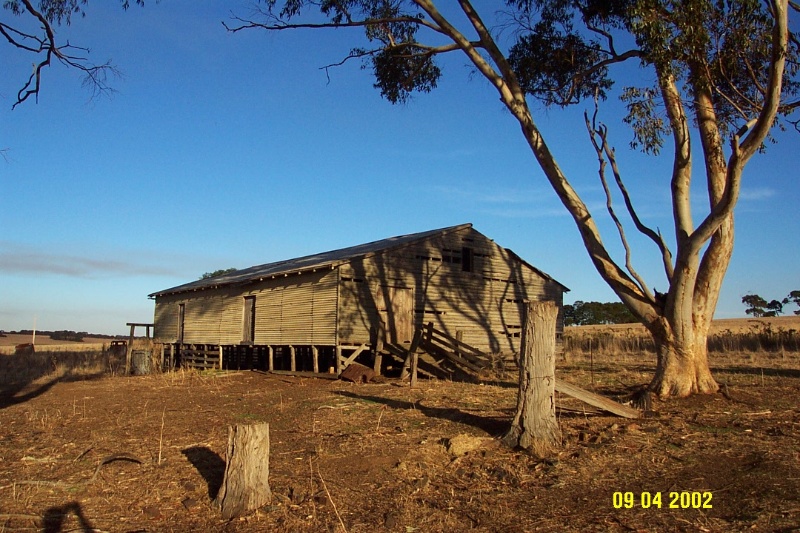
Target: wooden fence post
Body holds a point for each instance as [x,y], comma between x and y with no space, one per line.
[534,426]
[245,486]
[129,352]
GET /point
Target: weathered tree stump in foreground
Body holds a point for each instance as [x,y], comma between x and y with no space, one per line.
[534,426]
[245,486]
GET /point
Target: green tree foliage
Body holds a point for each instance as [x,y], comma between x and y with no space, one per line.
[586,313]
[216,273]
[794,297]
[760,307]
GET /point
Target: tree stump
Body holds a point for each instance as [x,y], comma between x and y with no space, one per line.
[245,486]
[534,426]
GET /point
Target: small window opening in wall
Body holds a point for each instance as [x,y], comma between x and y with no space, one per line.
[467,259]
[451,256]
[249,319]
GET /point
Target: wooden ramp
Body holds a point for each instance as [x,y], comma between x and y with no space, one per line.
[448,355]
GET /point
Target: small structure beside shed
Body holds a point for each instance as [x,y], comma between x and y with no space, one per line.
[318,313]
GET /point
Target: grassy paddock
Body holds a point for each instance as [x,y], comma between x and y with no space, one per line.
[65,361]
[734,336]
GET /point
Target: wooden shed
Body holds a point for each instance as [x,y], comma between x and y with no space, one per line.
[317,313]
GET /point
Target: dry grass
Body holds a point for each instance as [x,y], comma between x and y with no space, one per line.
[381,457]
[777,335]
[64,362]
[10,340]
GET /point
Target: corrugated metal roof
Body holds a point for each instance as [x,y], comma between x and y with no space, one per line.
[305,264]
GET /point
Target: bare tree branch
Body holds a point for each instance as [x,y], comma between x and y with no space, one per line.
[655,236]
[95,76]
[601,132]
[276,23]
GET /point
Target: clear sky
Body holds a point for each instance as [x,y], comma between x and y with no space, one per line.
[223,150]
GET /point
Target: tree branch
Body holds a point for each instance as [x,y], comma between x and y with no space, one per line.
[95,75]
[276,23]
[655,236]
[754,131]
[682,160]
[772,96]
[600,132]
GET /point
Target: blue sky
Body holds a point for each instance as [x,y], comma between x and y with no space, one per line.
[223,150]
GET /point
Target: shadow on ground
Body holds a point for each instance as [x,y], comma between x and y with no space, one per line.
[490,424]
[209,464]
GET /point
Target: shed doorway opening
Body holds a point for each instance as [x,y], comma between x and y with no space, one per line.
[249,320]
[396,309]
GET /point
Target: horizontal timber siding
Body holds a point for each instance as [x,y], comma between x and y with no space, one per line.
[459,280]
[297,310]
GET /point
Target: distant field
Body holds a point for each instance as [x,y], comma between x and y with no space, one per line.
[734,325]
[727,336]
[12,339]
[89,344]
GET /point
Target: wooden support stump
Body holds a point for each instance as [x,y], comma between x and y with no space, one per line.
[534,426]
[245,486]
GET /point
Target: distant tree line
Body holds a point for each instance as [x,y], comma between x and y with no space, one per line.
[68,335]
[586,313]
[64,335]
[760,307]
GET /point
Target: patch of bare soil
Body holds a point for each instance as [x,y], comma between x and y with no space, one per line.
[146,454]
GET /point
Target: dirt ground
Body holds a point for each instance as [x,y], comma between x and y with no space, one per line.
[147,454]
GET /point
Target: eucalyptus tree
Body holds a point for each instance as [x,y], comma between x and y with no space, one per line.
[31,27]
[719,72]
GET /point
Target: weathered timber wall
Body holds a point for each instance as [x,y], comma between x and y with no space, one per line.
[293,310]
[483,300]
[460,280]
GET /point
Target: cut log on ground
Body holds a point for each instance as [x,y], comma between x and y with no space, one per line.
[245,486]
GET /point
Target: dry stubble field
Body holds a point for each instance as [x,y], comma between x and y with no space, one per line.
[82,450]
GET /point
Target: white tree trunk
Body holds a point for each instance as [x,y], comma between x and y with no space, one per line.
[682,369]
